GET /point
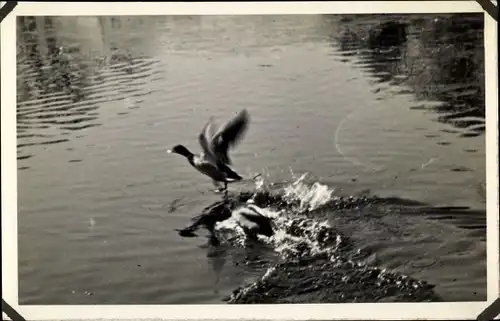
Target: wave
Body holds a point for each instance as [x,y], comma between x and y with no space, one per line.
[314,262]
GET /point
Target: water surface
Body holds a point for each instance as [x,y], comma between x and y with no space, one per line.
[101,99]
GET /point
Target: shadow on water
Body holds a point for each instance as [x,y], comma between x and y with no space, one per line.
[437,59]
[65,76]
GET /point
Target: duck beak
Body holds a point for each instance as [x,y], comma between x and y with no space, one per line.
[169,151]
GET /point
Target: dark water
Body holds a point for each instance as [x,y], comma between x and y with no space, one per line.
[384,111]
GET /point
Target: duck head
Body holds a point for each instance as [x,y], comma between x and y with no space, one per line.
[181,150]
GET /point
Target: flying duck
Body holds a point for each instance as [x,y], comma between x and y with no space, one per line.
[214,160]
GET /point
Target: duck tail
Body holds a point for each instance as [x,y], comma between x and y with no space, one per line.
[233,176]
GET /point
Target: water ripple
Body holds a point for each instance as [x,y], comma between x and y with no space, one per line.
[61,86]
[448,68]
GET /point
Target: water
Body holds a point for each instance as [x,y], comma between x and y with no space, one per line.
[101,99]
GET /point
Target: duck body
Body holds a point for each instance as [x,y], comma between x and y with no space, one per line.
[214,160]
[217,171]
[253,222]
[247,216]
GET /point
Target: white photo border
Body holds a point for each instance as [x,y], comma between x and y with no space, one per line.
[365,311]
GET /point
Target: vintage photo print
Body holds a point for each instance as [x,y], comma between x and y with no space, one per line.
[249,160]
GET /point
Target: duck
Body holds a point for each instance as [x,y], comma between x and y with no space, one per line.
[210,216]
[252,220]
[214,160]
[248,216]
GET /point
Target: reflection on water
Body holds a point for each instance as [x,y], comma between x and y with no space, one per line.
[62,82]
[437,59]
[62,79]
[352,100]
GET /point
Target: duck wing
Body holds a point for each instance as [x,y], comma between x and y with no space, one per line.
[205,138]
[228,136]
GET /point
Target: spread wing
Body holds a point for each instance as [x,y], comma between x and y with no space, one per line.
[228,136]
[205,137]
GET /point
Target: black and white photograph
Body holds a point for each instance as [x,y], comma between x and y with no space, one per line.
[250,159]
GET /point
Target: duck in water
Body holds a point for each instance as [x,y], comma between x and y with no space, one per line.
[248,216]
[252,220]
[214,160]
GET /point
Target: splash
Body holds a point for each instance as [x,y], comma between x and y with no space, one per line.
[309,197]
[300,237]
[315,263]
[260,183]
[295,235]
